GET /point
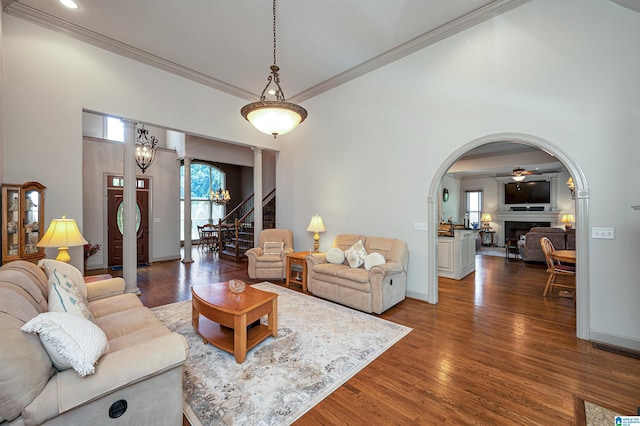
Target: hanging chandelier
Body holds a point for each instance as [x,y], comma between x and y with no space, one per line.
[220,197]
[274,117]
[145,148]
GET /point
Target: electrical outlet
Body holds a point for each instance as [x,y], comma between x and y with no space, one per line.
[420,226]
[603,233]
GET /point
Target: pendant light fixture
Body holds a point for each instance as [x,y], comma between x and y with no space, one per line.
[274,117]
[146,147]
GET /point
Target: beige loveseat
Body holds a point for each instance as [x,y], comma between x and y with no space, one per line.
[141,371]
[374,290]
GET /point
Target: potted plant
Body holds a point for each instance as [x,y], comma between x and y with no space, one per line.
[90,250]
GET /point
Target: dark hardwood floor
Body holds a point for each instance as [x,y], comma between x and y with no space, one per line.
[493,351]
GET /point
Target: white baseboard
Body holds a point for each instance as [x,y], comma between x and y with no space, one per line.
[625,342]
[417,295]
[163,259]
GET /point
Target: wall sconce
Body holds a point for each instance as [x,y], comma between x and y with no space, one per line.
[486,218]
[62,233]
[572,188]
[567,219]
[316,225]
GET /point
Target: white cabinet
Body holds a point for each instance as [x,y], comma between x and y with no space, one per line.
[457,254]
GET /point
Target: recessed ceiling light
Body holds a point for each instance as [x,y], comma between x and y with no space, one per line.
[69,3]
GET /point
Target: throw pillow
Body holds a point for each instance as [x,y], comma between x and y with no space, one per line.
[70,341]
[273,248]
[373,259]
[356,254]
[335,255]
[65,297]
[50,265]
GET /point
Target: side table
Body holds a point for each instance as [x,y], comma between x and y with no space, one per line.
[511,247]
[297,269]
[487,237]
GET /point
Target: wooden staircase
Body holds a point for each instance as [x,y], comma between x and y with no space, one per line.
[236,228]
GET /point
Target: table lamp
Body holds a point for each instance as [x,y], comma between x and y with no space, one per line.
[316,225]
[486,218]
[567,219]
[62,233]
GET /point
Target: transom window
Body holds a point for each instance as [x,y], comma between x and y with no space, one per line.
[114,129]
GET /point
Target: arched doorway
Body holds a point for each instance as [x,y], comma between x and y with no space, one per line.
[582,219]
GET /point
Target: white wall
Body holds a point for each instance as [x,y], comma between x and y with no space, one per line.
[563,70]
[1,100]
[454,207]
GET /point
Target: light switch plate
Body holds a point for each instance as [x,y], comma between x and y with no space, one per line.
[603,233]
[420,226]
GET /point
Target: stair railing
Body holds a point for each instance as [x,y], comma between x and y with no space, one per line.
[242,217]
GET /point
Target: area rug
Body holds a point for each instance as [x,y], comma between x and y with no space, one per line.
[320,345]
[119,267]
[591,414]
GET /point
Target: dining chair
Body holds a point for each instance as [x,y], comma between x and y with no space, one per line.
[209,236]
[200,237]
[555,268]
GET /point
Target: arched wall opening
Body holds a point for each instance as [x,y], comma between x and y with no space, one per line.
[581,212]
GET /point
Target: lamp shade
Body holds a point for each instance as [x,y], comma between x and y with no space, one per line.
[274,117]
[570,183]
[316,225]
[486,217]
[62,233]
[567,218]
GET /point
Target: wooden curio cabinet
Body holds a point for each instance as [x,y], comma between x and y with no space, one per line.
[22,221]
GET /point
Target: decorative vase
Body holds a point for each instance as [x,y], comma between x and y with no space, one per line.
[236,286]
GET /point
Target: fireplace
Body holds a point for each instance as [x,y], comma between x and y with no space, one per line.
[516,229]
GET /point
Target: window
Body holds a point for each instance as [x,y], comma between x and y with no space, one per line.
[474,206]
[204,178]
[114,129]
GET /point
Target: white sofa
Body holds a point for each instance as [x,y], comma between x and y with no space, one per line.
[139,378]
[374,290]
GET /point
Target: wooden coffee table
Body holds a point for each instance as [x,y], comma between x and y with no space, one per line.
[221,317]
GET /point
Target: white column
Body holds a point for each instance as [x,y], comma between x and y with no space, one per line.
[129,237]
[257,194]
[187,211]
[554,195]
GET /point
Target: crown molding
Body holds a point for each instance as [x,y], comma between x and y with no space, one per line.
[449,29]
[80,33]
[455,26]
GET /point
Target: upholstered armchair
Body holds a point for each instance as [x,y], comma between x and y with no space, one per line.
[268,260]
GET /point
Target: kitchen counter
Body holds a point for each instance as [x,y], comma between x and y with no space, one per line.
[456,253]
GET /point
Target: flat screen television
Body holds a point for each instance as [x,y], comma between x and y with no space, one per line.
[534,192]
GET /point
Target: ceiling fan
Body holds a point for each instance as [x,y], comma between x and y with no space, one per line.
[519,173]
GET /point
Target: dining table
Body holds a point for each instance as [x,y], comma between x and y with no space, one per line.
[567,256]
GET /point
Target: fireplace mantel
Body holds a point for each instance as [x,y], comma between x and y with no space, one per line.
[502,216]
[528,216]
